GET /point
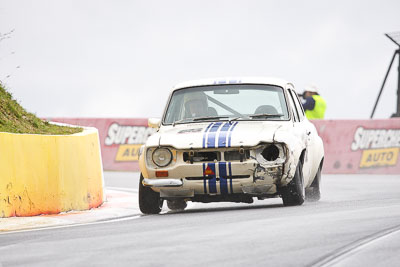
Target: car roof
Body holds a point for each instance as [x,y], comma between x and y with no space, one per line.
[233,80]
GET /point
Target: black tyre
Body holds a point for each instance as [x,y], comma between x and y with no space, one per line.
[177,204]
[293,193]
[149,201]
[313,193]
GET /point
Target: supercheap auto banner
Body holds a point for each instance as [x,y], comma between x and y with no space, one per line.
[360,146]
[120,139]
[351,146]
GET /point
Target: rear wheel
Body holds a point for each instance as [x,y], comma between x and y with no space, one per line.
[293,193]
[313,193]
[149,201]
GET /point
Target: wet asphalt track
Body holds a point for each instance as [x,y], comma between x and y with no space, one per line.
[356,223]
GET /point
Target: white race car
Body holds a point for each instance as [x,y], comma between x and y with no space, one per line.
[230,140]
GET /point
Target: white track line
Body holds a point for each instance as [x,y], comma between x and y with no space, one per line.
[354,247]
[128,218]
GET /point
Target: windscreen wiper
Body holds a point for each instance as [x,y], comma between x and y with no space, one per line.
[238,118]
[199,119]
[210,118]
[182,121]
[266,115]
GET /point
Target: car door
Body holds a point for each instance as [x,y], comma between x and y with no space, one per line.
[304,129]
[314,142]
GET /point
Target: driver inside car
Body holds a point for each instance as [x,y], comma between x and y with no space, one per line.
[196,105]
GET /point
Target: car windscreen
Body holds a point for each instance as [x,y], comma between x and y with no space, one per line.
[226,102]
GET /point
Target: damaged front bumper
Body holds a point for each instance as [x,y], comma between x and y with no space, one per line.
[162,182]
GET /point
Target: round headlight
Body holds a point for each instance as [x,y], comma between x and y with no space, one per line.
[162,157]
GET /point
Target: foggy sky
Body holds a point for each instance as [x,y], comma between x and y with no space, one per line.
[121,58]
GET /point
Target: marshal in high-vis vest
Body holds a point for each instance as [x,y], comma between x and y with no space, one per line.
[314,104]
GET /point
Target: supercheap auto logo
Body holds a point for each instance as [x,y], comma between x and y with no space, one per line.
[129,140]
[380,147]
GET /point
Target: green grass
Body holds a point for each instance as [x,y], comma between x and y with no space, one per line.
[15,119]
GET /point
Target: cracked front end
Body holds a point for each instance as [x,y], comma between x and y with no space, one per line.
[191,173]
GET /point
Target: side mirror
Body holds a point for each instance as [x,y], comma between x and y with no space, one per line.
[154,122]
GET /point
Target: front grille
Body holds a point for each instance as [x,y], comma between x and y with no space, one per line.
[203,156]
[235,155]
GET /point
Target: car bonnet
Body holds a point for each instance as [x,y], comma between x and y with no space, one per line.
[220,134]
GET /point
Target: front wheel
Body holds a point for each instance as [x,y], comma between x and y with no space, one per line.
[293,193]
[149,201]
[313,193]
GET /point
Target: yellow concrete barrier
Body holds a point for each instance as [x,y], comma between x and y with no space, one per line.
[47,174]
